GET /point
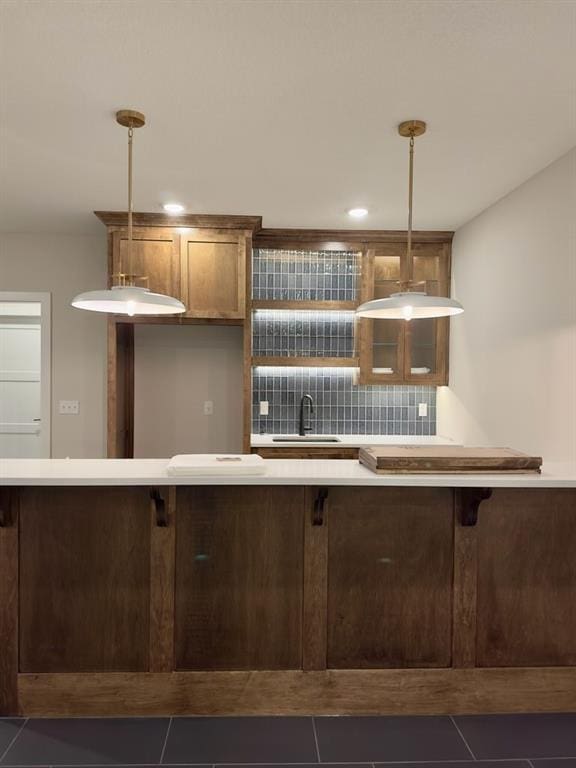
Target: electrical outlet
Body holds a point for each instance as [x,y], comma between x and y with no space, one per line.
[422,409]
[263,407]
[69,407]
[208,407]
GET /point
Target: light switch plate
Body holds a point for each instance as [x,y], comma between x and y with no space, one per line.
[422,409]
[264,408]
[69,407]
[208,407]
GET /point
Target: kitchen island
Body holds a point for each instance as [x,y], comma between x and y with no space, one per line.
[318,587]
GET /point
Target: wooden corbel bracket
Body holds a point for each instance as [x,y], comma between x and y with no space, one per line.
[160,508]
[470,500]
[318,512]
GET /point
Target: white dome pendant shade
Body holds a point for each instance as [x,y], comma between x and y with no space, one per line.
[407,304]
[410,305]
[127,298]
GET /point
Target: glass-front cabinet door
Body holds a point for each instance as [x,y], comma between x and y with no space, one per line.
[381,345]
[400,351]
[426,339]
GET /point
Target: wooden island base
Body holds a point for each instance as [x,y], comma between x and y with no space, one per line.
[331,692]
[262,599]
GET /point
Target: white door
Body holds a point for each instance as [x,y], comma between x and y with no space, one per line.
[24,376]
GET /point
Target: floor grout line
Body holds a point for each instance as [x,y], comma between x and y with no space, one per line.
[371,764]
[165,743]
[316,739]
[18,732]
[455,724]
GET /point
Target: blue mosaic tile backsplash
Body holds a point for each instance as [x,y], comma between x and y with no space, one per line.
[302,333]
[340,407]
[284,275]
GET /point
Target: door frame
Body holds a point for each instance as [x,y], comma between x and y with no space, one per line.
[45,301]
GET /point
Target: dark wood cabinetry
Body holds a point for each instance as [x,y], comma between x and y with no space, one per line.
[268,599]
[239,561]
[390,565]
[202,263]
[527,579]
[84,579]
[397,351]
[214,273]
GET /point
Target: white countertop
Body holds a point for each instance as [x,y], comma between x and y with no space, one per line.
[39,472]
[348,441]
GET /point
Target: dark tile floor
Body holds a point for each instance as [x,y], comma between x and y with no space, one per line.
[478,741]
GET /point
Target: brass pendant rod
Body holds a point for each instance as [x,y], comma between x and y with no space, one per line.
[130,270]
[409,129]
[129,118]
[409,261]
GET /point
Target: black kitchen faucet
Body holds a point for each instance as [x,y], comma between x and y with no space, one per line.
[305,426]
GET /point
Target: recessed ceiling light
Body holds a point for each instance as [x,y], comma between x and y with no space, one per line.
[357,213]
[173,207]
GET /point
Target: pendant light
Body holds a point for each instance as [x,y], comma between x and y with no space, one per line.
[125,297]
[408,304]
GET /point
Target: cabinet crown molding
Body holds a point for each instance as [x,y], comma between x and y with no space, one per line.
[331,239]
[143,219]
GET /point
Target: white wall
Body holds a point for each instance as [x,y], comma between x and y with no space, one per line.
[513,351]
[64,266]
[176,369]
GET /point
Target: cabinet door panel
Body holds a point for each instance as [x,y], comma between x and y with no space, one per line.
[214,275]
[381,347]
[527,578]
[84,579]
[239,571]
[426,359]
[390,565]
[155,255]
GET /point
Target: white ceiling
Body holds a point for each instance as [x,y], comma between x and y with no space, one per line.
[284,108]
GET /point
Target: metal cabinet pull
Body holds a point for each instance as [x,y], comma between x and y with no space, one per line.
[318,512]
[160,507]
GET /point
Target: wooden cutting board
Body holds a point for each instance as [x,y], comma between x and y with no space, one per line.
[417,459]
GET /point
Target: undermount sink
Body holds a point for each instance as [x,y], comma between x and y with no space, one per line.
[306,439]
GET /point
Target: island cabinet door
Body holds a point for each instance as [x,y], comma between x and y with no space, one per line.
[527,578]
[390,568]
[84,579]
[239,573]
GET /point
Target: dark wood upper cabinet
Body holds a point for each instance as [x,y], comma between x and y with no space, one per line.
[527,578]
[239,578]
[390,569]
[204,268]
[84,579]
[397,351]
[214,273]
[155,255]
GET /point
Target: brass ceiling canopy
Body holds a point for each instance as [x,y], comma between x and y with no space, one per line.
[410,128]
[130,118]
